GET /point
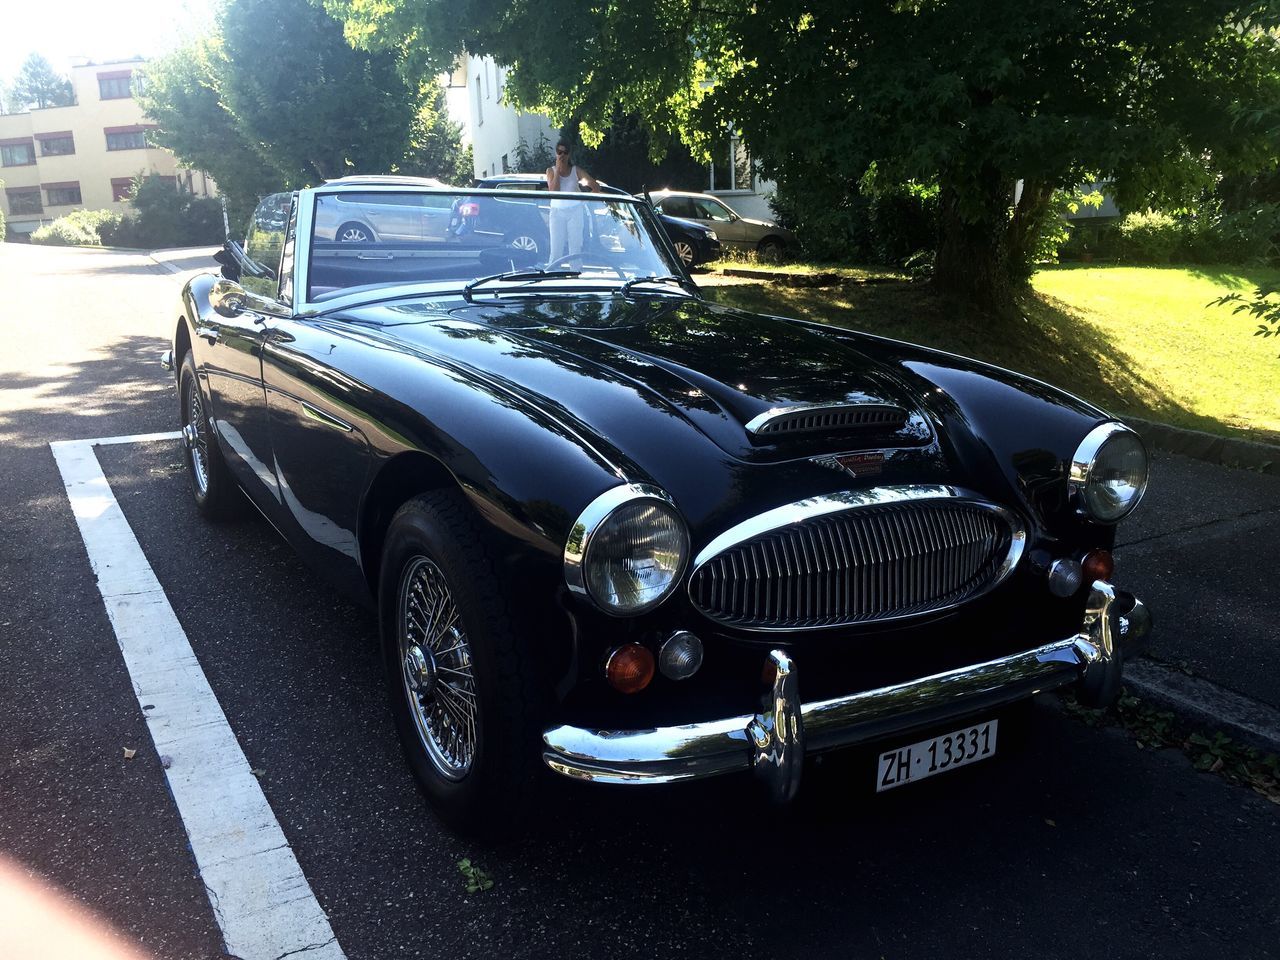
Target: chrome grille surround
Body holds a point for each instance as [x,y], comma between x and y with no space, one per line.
[828,417]
[857,557]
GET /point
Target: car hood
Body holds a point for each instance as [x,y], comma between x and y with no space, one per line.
[667,387]
[714,368]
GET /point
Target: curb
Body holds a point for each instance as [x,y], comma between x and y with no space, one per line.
[786,279]
[1210,447]
[1206,704]
[164,263]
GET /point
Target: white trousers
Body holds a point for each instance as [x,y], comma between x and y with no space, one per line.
[566,230]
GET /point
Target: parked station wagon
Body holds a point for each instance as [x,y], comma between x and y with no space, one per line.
[618,532]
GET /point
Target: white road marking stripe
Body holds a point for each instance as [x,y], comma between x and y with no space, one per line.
[261,899]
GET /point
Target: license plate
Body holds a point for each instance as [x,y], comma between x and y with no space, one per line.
[936,755]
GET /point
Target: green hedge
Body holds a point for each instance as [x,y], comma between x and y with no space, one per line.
[80,228]
[1245,236]
[162,217]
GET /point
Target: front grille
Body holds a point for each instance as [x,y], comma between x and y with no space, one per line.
[830,419]
[860,565]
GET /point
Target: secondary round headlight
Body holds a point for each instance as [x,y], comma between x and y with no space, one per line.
[627,549]
[1109,472]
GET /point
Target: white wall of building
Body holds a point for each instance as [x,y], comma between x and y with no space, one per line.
[492,128]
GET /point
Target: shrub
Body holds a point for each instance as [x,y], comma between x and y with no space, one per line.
[836,231]
[79,228]
[1150,237]
[903,223]
[1236,237]
[167,217]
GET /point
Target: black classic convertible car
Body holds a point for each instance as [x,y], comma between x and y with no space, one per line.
[616,531]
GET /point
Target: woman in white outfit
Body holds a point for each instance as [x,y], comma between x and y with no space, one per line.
[567,215]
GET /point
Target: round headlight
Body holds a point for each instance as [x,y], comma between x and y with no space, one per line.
[627,550]
[1109,472]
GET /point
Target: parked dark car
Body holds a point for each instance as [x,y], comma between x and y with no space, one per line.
[616,531]
[694,243]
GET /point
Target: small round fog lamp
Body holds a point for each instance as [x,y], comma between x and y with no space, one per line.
[680,656]
[629,668]
[1065,578]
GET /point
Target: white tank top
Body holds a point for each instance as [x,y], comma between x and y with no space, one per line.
[568,184]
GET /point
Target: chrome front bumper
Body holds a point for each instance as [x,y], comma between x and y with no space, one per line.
[774,741]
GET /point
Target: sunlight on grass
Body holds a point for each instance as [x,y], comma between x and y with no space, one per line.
[1204,358]
[1134,340]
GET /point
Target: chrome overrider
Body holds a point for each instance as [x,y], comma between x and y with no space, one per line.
[774,742]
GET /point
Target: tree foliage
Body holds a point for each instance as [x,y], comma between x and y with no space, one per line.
[37,85]
[1157,97]
[275,98]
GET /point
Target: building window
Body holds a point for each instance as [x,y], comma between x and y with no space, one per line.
[63,195]
[479,105]
[114,88]
[59,146]
[121,189]
[24,201]
[506,168]
[732,168]
[134,140]
[21,154]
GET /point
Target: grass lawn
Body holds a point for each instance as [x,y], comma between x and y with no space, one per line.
[1134,340]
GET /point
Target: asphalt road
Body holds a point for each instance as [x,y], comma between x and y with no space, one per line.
[1074,844]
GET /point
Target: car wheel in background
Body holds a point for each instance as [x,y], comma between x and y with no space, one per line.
[214,490]
[685,249]
[354,233]
[459,672]
[770,248]
[524,242]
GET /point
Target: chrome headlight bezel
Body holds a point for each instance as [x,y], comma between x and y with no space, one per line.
[594,518]
[1085,468]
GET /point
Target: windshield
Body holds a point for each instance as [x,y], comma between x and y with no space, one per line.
[367,240]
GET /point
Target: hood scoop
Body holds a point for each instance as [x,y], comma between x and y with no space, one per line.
[828,418]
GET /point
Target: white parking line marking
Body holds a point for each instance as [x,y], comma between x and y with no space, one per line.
[261,899]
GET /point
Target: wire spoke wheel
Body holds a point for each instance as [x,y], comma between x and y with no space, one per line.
[196,436]
[436,669]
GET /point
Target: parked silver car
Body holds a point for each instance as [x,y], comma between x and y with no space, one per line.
[371,217]
[735,232]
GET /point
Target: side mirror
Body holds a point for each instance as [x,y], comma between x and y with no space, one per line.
[227,297]
[230,267]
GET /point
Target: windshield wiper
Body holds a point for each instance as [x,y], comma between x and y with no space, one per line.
[669,278]
[524,273]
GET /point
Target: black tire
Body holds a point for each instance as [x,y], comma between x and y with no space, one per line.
[437,539]
[214,489]
[354,232]
[770,248]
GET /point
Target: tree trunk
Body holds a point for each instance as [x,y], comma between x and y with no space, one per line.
[973,251]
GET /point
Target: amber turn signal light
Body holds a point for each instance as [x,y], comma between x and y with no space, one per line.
[1098,565]
[629,668]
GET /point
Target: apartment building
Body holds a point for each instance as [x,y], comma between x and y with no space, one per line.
[494,129]
[84,156]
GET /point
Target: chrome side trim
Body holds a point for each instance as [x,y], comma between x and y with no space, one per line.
[1086,456]
[807,509]
[762,423]
[589,521]
[775,741]
[327,419]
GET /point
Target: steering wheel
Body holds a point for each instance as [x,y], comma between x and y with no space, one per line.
[570,257]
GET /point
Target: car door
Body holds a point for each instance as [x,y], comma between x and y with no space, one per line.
[319,455]
[729,227]
[230,358]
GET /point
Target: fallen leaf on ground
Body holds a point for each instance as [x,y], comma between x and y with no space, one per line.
[1050,822]
[129,753]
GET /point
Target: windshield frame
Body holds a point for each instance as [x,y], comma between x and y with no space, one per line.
[308,199]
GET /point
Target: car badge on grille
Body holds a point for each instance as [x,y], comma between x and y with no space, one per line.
[854,464]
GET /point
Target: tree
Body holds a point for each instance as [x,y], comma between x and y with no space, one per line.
[277,99]
[38,85]
[971,95]
[435,144]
